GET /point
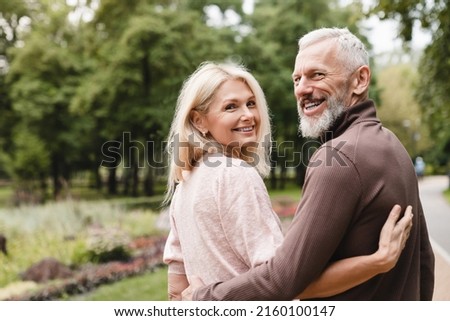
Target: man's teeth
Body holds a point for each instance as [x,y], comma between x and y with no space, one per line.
[312,105]
[245,129]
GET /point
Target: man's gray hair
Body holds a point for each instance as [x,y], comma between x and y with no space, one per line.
[353,53]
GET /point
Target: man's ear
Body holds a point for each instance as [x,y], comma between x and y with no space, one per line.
[361,81]
[198,121]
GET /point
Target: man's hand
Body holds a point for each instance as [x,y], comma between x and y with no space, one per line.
[195,283]
[393,237]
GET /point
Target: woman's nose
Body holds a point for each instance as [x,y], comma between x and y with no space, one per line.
[247,114]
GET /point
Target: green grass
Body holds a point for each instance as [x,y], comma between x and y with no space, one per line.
[447,195]
[80,190]
[6,193]
[291,190]
[151,286]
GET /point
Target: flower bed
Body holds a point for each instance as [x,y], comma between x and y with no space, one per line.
[149,256]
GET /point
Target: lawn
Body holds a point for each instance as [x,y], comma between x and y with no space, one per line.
[6,194]
[291,190]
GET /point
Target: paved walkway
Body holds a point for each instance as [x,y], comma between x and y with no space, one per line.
[437,213]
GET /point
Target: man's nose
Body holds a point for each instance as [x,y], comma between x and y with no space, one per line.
[302,87]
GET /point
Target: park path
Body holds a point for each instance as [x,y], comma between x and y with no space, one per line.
[437,214]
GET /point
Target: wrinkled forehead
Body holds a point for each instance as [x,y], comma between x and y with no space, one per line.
[324,49]
[318,55]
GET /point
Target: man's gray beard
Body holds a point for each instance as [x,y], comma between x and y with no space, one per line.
[314,127]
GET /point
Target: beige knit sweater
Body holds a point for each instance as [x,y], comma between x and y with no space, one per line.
[222,221]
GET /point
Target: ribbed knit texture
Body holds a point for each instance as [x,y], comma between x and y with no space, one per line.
[352,182]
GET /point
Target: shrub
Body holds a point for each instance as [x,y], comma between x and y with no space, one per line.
[105,245]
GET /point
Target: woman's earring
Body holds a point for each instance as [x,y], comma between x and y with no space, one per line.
[204,133]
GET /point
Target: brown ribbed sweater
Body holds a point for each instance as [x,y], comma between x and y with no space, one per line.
[352,182]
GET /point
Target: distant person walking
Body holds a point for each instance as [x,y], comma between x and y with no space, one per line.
[419,165]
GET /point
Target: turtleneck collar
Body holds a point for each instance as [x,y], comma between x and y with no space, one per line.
[364,111]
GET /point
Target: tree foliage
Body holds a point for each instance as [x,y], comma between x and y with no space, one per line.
[94,75]
[400,111]
[433,90]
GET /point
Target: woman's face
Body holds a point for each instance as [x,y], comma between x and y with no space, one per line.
[233,118]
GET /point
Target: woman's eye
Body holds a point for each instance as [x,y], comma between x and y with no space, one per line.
[251,103]
[230,107]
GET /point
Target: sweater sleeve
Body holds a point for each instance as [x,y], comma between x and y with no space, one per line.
[250,226]
[330,197]
[173,255]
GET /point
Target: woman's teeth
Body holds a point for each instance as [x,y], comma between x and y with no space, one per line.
[245,129]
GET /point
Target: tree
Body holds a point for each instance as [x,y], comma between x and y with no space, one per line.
[43,77]
[399,110]
[142,54]
[76,84]
[433,90]
[10,15]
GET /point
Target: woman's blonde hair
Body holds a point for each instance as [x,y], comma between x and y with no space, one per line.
[186,144]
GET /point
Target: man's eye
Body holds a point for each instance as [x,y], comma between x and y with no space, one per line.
[318,75]
[297,80]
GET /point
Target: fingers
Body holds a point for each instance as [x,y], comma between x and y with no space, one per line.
[389,227]
[406,224]
[394,214]
[410,215]
[406,220]
[408,211]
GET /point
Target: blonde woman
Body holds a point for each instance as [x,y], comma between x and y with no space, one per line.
[222,222]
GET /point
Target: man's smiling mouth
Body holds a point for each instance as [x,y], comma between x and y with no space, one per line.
[312,105]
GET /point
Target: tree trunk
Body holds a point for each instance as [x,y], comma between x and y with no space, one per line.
[57,186]
[283,175]
[98,178]
[149,188]
[126,181]
[135,179]
[112,181]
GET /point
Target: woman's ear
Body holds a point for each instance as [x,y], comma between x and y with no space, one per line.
[362,80]
[198,121]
